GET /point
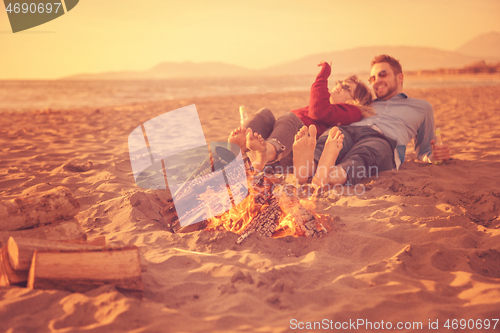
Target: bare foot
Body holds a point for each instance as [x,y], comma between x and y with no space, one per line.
[303,153]
[258,146]
[327,172]
[238,136]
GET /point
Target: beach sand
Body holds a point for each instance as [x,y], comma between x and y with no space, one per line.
[419,244]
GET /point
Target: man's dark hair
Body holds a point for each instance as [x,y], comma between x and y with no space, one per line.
[395,65]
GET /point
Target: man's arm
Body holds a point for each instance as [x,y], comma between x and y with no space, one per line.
[425,146]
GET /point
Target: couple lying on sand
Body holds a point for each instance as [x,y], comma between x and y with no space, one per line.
[344,135]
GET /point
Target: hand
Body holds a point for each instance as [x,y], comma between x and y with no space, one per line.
[324,63]
[440,152]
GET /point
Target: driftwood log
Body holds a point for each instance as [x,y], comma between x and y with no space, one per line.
[22,213]
[14,277]
[21,250]
[83,271]
[4,276]
[59,231]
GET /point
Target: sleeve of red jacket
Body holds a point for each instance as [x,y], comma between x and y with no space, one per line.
[322,110]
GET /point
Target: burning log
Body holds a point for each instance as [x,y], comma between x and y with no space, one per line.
[82,271]
[46,207]
[281,211]
[264,223]
[303,218]
[271,209]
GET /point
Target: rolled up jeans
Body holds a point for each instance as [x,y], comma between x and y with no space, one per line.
[278,132]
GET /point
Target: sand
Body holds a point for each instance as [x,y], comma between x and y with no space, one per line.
[419,244]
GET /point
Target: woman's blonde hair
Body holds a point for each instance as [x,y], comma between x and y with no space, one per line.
[362,97]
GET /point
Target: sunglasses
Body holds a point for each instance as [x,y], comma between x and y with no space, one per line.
[372,78]
[344,86]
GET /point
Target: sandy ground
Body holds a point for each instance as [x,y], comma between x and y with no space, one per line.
[420,244]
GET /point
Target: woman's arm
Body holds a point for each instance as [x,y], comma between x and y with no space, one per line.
[322,110]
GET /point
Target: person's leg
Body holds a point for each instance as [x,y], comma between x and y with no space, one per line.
[347,143]
[303,153]
[365,152]
[261,122]
[283,137]
[370,155]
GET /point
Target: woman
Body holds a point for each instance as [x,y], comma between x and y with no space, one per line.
[271,141]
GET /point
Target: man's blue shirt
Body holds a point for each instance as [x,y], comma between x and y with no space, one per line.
[403,118]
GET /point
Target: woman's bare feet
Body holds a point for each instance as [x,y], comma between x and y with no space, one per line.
[238,136]
[327,172]
[256,143]
[303,153]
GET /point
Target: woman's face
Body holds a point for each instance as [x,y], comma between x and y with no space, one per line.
[342,92]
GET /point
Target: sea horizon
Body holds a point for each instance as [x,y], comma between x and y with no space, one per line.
[28,95]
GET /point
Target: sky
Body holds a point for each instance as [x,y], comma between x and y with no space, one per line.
[114,35]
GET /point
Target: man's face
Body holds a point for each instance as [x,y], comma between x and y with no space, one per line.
[385,83]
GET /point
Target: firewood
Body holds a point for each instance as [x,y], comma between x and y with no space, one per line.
[265,222]
[15,277]
[83,271]
[21,250]
[46,207]
[63,230]
[4,277]
[290,204]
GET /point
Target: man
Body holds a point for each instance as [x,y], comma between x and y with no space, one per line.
[350,153]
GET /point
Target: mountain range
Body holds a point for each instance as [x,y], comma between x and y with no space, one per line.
[483,47]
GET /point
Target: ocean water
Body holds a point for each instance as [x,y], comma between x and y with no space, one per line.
[17,95]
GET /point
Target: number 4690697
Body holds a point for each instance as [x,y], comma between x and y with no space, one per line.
[471,324]
[33,8]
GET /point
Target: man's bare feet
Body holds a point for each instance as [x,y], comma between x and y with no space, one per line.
[327,172]
[238,136]
[303,153]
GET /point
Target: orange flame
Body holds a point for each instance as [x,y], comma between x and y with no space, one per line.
[238,218]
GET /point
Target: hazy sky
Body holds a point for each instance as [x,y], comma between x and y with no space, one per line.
[111,35]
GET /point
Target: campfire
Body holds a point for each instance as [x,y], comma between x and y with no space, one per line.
[272,208]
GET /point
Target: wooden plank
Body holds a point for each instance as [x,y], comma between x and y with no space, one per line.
[4,277]
[45,207]
[15,277]
[21,250]
[83,271]
[61,230]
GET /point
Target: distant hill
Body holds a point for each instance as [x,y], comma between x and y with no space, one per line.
[486,46]
[353,61]
[358,60]
[169,70]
